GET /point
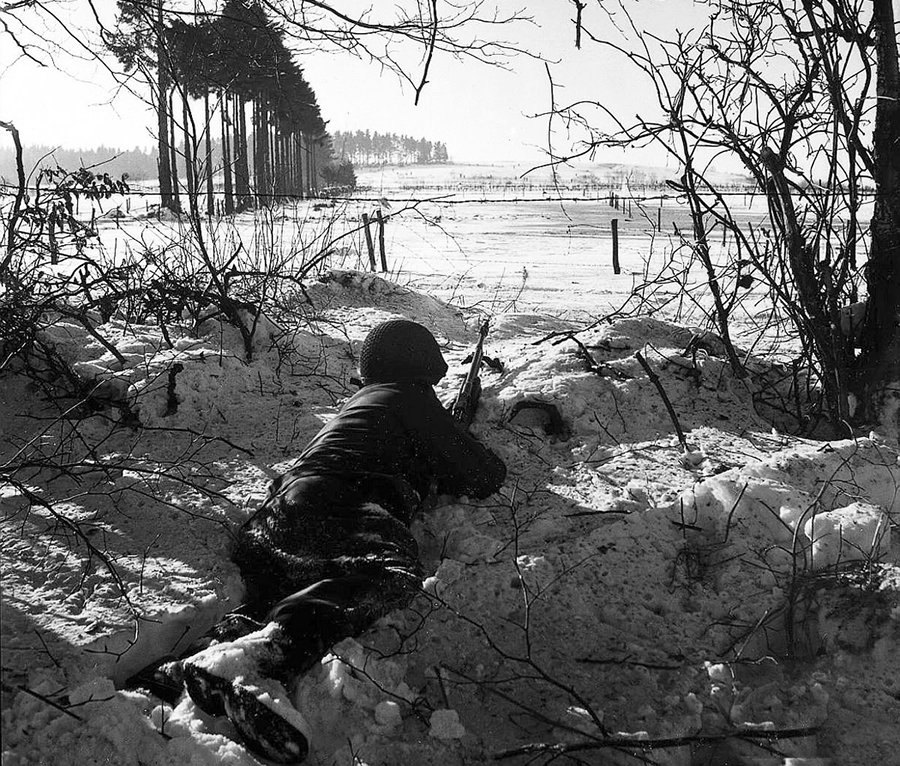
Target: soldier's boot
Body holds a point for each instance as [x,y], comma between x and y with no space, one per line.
[165,677]
[208,674]
[232,626]
[268,724]
[247,681]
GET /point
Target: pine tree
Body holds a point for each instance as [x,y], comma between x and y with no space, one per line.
[139,43]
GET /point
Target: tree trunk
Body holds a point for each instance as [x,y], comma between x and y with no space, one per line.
[258,174]
[307,156]
[226,154]
[173,154]
[284,161]
[261,131]
[164,169]
[254,124]
[190,169]
[295,175]
[879,362]
[238,149]
[207,122]
[241,167]
[271,158]
[266,132]
[268,156]
[277,180]
[301,187]
[313,170]
[288,142]
[298,166]
[289,161]
[281,185]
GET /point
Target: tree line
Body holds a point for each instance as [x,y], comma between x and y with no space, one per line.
[138,164]
[141,164]
[253,93]
[368,148]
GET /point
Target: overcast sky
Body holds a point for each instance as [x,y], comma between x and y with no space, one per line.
[482,113]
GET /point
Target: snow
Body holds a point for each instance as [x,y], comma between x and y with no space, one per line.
[240,658]
[857,532]
[618,584]
[387,713]
[444,724]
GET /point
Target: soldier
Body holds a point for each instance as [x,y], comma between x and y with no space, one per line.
[330,551]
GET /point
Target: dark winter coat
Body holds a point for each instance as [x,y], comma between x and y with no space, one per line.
[342,512]
[400,431]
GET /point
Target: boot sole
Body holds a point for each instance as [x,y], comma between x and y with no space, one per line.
[207,690]
[262,729]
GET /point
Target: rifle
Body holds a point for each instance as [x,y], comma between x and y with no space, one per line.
[463,409]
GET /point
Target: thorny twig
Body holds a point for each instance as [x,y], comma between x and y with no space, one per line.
[654,378]
[46,700]
[624,743]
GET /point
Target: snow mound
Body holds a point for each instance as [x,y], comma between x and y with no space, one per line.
[769,527]
[176,381]
[618,589]
[857,532]
[362,295]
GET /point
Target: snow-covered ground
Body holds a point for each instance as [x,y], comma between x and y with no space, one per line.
[498,236]
[621,600]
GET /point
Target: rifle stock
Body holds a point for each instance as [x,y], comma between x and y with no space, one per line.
[463,409]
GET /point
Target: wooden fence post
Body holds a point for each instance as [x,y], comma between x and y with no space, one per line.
[615,237]
[381,239]
[365,220]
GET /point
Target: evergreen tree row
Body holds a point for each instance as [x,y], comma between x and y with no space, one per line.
[367,148]
[253,94]
[138,164]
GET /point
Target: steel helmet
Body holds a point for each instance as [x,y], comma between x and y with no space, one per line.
[401,350]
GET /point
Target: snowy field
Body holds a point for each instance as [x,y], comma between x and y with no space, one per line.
[504,237]
[622,599]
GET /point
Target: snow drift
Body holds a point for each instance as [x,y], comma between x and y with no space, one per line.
[621,598]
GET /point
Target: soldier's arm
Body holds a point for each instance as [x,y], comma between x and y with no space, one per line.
[461,465]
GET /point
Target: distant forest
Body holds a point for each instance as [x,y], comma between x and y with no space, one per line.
[139,164]
[365,148]
[360,147]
